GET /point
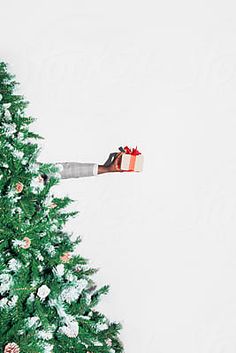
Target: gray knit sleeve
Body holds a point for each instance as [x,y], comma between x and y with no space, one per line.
[76,169]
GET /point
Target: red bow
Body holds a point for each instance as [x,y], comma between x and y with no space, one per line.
[134,151]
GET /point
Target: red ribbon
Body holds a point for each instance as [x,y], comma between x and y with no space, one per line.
[134,151]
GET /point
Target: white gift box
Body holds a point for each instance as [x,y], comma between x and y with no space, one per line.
[132,162]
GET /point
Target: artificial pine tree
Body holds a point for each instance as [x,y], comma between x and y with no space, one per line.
[47,296]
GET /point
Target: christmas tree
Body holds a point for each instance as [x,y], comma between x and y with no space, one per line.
[47,295]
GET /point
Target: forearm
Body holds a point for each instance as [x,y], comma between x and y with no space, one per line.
[82,169]
[75,169]
[78,169]
[69,170]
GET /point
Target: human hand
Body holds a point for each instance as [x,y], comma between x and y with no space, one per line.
[114,166]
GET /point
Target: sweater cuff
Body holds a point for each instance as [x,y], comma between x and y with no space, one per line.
[95,169]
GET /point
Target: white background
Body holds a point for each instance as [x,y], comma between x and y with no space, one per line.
[162,76]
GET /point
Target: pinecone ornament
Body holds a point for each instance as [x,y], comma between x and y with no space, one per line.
[27,243]
[53,205]
[19,187]
[65,257]
[12,348]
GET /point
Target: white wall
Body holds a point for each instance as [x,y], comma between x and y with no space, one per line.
[162,76]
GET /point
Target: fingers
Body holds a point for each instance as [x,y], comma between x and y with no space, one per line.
[116,164]
[119,154]
[118,160]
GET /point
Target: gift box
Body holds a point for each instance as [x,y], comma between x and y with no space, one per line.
[132,160]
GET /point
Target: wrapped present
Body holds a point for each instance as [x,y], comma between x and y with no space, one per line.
[132,160]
